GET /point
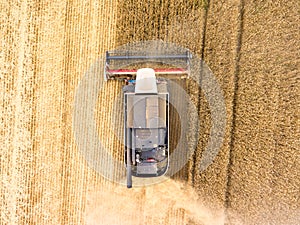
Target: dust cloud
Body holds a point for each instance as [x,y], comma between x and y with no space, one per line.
[168,202]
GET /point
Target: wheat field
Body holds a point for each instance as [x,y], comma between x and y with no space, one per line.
[48,51]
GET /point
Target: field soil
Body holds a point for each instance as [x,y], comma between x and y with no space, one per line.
[60,122]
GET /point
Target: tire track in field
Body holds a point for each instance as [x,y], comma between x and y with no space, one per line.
[193,164]
[234,101]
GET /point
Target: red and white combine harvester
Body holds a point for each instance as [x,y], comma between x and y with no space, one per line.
[146,106]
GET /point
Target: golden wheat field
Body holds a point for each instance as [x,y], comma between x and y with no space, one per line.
[51,56]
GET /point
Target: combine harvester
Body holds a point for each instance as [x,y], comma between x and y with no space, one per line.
[146,106]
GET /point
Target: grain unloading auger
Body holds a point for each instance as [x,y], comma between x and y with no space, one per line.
[146,106]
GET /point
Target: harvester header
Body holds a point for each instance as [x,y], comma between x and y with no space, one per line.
[124,64]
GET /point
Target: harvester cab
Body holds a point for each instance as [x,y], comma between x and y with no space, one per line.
[146,106]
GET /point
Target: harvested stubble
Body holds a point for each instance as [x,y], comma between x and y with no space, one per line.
[43,56]
[251,47]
